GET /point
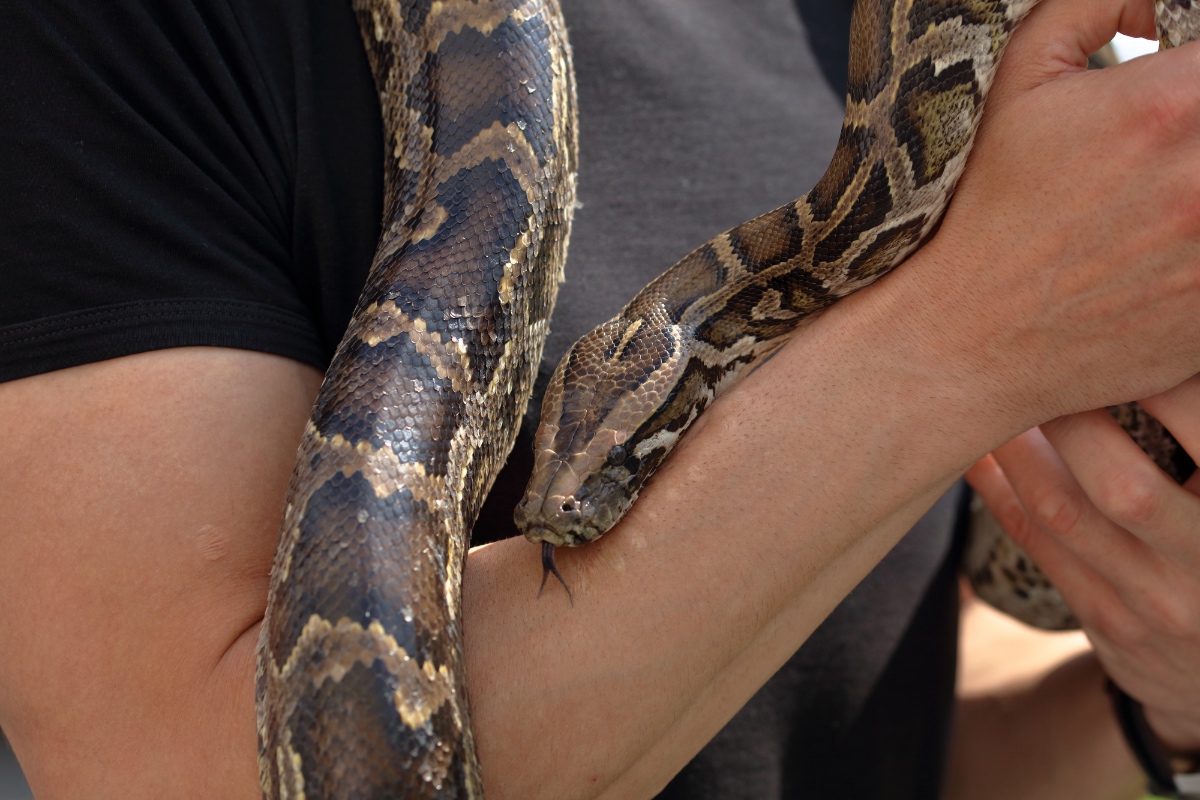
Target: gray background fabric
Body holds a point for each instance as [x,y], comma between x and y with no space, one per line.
[12,782]
[695,116]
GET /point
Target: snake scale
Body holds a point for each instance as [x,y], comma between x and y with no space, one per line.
[360,680]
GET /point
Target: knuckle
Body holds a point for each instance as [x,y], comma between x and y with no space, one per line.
[1182,216]
[1174,615]
[1165,96]
[1189,279]
[1169,619]
[1164,114]
[1132,497]
[1113,622]
[1012,518]
[1055,508]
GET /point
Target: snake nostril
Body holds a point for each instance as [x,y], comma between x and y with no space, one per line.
[568,506]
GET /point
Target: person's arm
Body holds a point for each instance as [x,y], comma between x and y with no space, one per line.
[139,508]
[809,471]
[141,496]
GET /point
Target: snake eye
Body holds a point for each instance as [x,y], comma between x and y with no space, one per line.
[617,456]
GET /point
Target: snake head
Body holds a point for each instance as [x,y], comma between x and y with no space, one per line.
[606,426]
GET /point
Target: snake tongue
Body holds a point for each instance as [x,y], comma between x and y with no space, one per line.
[548,566]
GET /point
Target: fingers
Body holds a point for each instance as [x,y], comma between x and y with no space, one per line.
[1126,487]
[1116,582]
[1121,589]
[1058,505]
[1084,589]
[1059,35]
[990,483]
[1065,497]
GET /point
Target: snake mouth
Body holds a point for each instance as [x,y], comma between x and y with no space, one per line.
[559,537]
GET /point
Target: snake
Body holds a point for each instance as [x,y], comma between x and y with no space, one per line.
[360,688]
[359,678]
[625,394]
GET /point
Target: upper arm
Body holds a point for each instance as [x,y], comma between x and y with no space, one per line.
[139,510]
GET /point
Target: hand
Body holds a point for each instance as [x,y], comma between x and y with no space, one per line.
[1121,541]
[1071,250]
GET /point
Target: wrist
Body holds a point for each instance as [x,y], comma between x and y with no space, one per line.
[920,339]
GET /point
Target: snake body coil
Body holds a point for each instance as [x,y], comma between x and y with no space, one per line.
[360,671]
[360,676]
[625,393]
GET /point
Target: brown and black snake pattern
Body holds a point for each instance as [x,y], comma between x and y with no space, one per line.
[625,393]
[360,680]
[360,677]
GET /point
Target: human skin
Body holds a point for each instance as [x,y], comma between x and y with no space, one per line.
[141,502]
[1122,542]
[1044,734]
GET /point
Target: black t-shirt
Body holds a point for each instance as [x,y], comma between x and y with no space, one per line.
[196,172]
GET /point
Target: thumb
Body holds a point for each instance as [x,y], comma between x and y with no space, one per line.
[1058,36]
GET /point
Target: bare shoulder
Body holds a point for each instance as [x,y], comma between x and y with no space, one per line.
[139,507]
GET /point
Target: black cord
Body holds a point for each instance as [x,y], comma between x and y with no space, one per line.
[1149,751]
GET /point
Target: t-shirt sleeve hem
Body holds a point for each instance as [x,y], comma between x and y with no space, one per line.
[98,334]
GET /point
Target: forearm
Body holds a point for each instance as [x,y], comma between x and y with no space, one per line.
[1052,739]
[783,498]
